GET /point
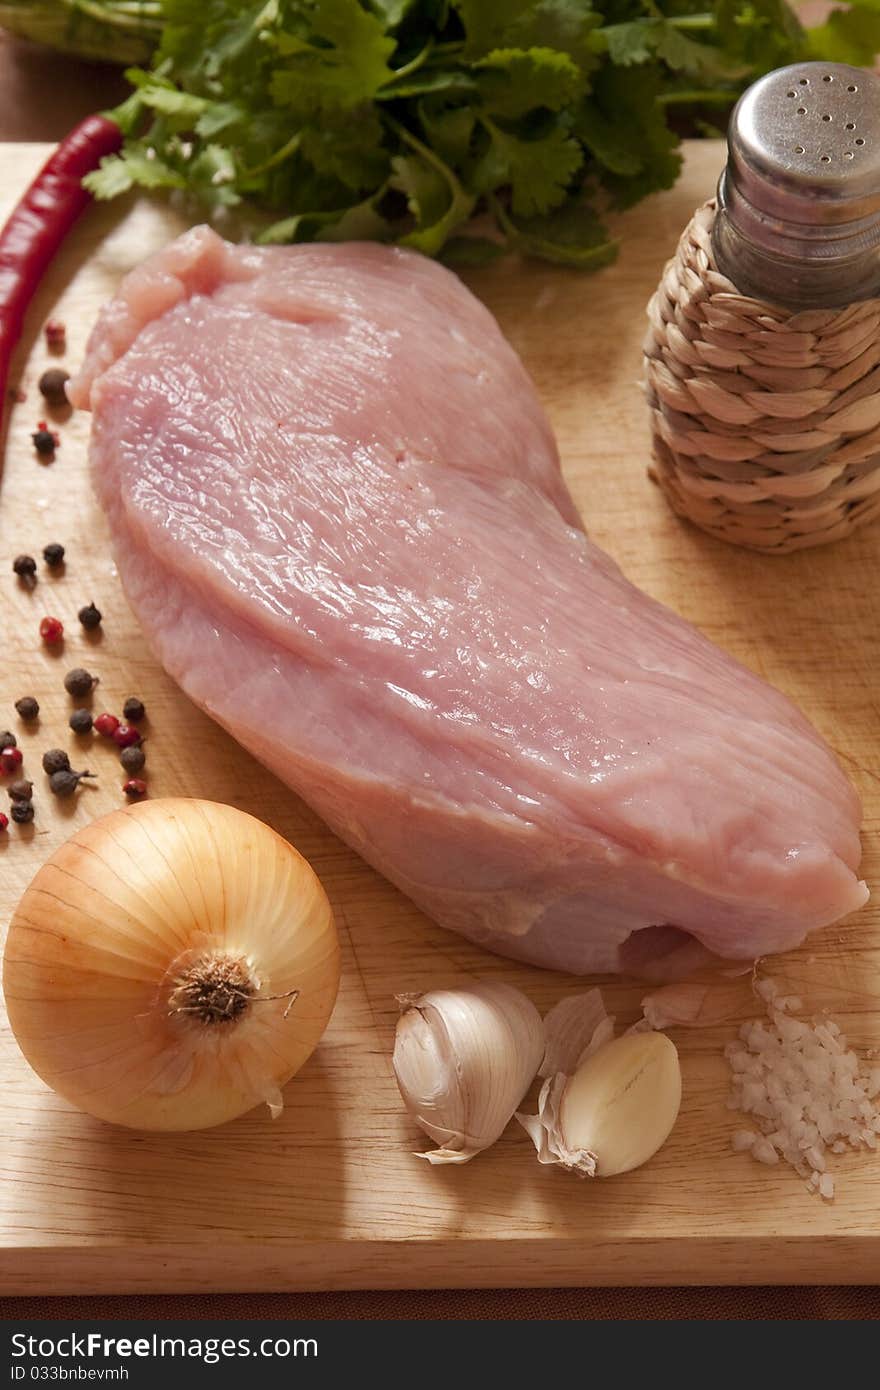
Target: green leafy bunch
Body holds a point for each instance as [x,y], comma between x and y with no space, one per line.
[403,120]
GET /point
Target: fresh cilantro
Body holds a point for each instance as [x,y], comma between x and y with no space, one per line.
[118,173]
[399,120]
[641,40]
[348,146]
[435,197]
[515,81]
[538,171]
[849,36]
[567,237]
[342,63]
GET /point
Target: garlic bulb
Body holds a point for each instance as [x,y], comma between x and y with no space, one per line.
[464,1059]
[171,966]
[615,1112]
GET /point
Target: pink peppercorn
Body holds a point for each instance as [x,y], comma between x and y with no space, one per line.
[4,821]
[10,761]
[51,631]
[135,786]
[125,735]
[106,725]
[56,335]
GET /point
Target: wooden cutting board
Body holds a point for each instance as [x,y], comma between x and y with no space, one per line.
[330,1195]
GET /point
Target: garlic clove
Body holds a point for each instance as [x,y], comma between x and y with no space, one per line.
[464,1059]
[615,1111]
[620,1105]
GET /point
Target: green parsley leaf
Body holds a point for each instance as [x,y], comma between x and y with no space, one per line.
[564,25]
[486,22]
[348,146]
[171,102]
[449,130]
[514,81]
[393,12]
[217,116]
[640,131]
[571,236]
[631,43]
[348,65]
[539,171]
[360,222]
[641,40]
[117,173]
[848,36]
[760,34]
[434,197]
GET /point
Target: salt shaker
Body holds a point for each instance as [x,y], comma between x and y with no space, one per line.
[762,359]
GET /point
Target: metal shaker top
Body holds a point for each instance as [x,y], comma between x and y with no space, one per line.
[799,200]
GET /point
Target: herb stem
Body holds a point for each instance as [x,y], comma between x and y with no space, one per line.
[701,95]
[412,66]
[428,155]
[691,21]
[130,16]
[289,148]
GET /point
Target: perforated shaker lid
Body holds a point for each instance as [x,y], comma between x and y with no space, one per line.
[802,182]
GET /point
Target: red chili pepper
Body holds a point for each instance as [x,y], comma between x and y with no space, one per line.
[40,221]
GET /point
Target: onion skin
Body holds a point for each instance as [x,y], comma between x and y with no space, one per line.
[110,923]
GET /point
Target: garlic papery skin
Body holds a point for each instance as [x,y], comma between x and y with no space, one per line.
[620,1105]
[171,966]
[464,1059]
[573,1029]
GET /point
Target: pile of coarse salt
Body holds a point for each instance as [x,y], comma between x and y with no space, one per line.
[806,1090]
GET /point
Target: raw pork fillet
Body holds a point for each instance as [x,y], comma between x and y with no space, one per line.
[339,515]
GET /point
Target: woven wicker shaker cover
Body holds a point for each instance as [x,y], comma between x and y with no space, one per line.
[766,423]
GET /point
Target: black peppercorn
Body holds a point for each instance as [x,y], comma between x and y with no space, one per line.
[133,710]
[22,812]
[56,760]
[53,554]
[25,566]
[81,721]
[65,781]
[51,385]
[90,617]
[132,759]
[44,442]
[79,682]
[22,790]
[27,708]
[7,740]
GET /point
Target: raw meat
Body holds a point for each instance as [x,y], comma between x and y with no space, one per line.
[339,515]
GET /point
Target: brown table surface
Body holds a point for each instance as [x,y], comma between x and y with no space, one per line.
[41,96]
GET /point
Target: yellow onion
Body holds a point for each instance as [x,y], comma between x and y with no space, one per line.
[171,966]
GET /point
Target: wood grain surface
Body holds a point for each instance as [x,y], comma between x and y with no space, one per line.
[330,1196]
